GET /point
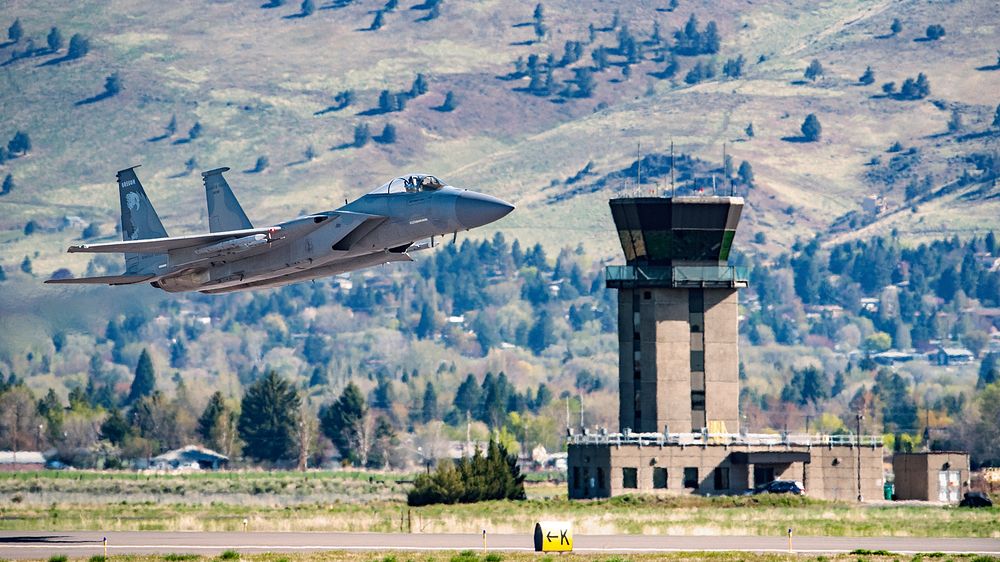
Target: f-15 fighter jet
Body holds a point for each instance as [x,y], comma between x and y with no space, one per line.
[386,225]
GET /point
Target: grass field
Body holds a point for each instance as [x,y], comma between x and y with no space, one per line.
[359,502]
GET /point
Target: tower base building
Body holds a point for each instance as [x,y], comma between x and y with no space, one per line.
[678,368]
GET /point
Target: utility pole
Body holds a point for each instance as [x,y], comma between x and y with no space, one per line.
[858,439]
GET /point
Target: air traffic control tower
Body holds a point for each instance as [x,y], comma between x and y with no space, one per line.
[678,367]
[677,313]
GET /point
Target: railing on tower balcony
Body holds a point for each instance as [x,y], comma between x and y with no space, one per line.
[628,276]
[750,439]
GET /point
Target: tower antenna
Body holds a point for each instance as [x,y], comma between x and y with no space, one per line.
[638,167]
[671,169]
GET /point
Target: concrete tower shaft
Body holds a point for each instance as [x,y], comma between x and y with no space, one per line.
[677,313]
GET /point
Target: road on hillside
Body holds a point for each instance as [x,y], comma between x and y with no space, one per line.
[42,545]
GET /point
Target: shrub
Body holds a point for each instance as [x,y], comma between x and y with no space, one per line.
[58,558]
[229,555]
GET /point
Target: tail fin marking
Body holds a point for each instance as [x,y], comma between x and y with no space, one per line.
[139,222]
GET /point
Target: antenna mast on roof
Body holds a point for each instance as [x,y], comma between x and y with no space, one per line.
[638,167]
[671,169]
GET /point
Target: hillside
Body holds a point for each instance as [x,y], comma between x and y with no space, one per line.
[255,79]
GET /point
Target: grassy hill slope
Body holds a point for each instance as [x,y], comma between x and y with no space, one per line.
[255,79]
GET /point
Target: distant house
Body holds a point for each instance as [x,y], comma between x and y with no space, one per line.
[17,461]
[191,457]
[892,357]
[874,205]
[951,356]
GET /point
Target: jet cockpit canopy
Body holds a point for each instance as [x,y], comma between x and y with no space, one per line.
[410,183]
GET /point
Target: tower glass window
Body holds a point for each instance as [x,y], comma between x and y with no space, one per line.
[630,477]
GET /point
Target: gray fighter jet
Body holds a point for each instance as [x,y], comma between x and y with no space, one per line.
[386,225]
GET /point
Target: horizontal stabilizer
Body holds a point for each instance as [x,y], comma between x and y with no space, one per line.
[105,280]
[163,245]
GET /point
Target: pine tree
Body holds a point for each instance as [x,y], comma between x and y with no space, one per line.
[868,78]
[746,174]
[341,422]
[989,370]
[54,40]
[430,404]
[377,21]
[115,429]
[468,395]
[749,130]
[261,164]
[541,335]
[361,135]
[811,128]
[896,26]
[113,85]
[171,127]
[8,185]
[385,101]
[419,86]
[79,46]
[814,70]
[144,382]
[195,131]
[955,122]
[388,135]
[268,415]
[26,265]
[15,31]
[995,123]
[935,32]
[308,8]
[318,377]
[210,417]
[449,103]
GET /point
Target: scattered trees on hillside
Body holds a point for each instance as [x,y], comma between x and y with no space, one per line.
[915,89]
[702,70]
[811,128]
[733,68]
[691,41]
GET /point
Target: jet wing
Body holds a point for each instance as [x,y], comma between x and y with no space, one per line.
[106,280]
[163,245]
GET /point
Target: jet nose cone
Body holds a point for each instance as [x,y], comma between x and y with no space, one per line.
[476,209]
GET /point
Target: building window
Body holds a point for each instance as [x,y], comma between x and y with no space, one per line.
[600,478]
[630,477]
[698,360]
[576,477]
[698,400]
[696,300]
[647,295]
[691,477]
[660,478]
[722,478]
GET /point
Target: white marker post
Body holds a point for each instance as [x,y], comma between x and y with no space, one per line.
[789,539]
[245,522]
[484,540]
[105,548]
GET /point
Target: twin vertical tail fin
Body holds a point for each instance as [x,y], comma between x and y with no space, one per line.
[224,211]
[139,222]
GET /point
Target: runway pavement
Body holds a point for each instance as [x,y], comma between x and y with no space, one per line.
[41,545]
